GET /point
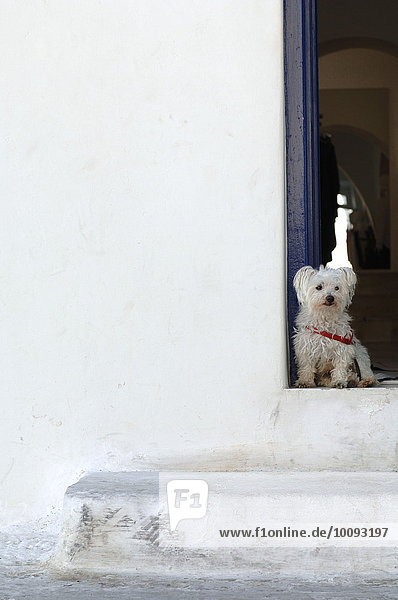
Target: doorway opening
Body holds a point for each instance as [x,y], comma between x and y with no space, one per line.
[358,101]
[352,47]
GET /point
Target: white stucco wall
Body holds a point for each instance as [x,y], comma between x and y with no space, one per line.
[143,253]
[142,263]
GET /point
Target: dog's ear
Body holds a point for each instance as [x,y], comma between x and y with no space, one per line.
[300,282]
[350,280]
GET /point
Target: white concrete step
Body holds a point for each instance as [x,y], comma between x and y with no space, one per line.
[112,521]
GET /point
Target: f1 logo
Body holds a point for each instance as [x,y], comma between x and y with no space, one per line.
[186,499]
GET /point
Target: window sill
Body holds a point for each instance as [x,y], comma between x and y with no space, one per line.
[380,386]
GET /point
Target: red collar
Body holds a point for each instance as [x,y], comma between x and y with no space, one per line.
[333,336]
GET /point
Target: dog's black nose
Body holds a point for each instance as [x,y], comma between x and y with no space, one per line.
[330,299]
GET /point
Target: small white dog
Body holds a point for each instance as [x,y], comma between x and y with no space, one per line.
[327,351]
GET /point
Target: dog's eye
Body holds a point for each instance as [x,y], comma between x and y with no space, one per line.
[318,287]
[337,288]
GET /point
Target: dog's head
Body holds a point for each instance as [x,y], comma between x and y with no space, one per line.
[326,289]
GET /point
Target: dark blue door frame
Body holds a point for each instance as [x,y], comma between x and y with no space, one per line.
[302,146]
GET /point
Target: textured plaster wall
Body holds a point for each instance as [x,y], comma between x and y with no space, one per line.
[143,253]
[142,235]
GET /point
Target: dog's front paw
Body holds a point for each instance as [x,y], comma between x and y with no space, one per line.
[367,382]
[340,384]
[305,384]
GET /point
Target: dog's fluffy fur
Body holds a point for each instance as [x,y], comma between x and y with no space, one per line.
[324,297]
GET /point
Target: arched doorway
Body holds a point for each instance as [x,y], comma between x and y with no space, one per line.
[358,77]
[364,169]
